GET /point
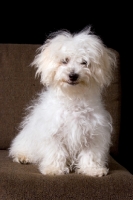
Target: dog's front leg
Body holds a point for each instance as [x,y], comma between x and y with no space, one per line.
[54,162]
[91,163]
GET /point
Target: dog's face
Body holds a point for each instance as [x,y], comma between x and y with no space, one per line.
[74,62]
[73,68]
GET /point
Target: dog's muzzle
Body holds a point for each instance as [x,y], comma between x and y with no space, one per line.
[73,77]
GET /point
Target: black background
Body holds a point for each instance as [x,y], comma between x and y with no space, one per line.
[112,21]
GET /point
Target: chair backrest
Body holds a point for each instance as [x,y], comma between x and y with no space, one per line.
[18,86]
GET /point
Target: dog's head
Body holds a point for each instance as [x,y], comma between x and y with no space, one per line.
[74,61]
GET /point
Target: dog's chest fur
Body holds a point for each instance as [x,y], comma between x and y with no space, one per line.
[73,121]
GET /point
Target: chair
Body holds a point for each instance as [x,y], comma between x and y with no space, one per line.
[24,182]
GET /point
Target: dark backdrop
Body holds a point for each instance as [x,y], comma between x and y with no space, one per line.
[112,21]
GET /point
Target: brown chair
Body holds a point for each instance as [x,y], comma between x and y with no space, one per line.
[24,182]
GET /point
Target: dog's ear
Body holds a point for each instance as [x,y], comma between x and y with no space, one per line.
[44,63]
[102,68]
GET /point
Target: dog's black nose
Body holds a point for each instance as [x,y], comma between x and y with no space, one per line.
[73,76]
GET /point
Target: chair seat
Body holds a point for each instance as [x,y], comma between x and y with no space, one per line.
[25,182]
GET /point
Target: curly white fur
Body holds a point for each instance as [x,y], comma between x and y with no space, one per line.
[68,128]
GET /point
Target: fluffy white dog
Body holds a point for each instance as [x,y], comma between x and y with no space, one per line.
[68,128]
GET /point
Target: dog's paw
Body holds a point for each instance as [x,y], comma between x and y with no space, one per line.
[21,159]
[50,170]
[93,171]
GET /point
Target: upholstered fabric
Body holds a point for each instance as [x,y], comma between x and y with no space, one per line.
[24,182]
[17,86]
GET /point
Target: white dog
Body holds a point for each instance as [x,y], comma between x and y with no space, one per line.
[68,128]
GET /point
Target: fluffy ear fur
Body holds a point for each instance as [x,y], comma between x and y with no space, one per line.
[44,64]
[103,65]
[102,60]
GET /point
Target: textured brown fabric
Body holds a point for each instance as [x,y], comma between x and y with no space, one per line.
[112,99]
[18,86]
[24,182]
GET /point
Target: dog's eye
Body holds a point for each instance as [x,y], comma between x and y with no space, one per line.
[84,62]
[65,61]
